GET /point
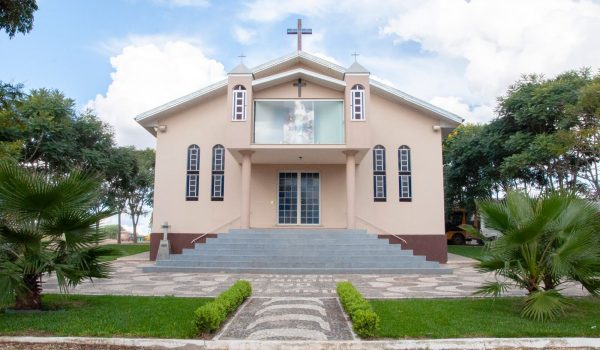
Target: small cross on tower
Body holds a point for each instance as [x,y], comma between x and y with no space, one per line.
[355,54]
[299,31]
[241,57]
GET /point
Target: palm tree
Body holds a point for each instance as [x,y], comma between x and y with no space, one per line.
[544,243]
[47,226]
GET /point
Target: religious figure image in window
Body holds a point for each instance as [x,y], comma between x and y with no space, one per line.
[299,127]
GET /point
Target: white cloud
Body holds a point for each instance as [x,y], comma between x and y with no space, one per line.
[147,75]
[499,40]
[475,114]
[243,35]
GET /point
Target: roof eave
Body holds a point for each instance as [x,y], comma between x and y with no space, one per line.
[443,114]
[149,116]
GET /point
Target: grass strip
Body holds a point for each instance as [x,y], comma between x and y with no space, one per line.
[126,249]
[481,317]
[105,316]
[473,252]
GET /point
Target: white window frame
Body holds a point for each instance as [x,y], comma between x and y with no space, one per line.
[217,182]
[192,173]
[379,174]
[357,93]
[404,174]
[238,100]
[405,186]
[192,185]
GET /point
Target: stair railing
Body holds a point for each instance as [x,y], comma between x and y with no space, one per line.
[381,230]
[197,238]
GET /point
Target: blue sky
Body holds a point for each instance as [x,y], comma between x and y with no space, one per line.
[123,57]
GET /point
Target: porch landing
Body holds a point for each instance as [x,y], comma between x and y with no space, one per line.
[298,251]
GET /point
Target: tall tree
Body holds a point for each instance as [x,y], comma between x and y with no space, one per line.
[140,193]
[17,16]
[11,124]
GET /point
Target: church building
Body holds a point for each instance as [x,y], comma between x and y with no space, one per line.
[300,143]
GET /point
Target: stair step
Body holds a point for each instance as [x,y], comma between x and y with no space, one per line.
[303,271]
[298,251]
[296,258]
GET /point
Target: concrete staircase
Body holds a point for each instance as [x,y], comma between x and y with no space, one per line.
[298,251]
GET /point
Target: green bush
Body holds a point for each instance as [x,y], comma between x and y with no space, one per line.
[210,316]
[365,321]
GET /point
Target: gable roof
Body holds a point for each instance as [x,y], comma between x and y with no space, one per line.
[267,74]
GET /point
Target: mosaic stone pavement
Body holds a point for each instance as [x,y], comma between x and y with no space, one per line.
[289,318]
[128,279]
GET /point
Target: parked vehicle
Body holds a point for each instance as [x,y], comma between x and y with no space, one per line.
[454,234]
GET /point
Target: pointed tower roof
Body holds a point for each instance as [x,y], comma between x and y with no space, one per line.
[356,68]
[240,69]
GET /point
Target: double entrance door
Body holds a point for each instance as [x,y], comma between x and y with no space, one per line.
[299,198]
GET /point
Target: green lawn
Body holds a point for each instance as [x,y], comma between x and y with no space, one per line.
[473,252]
[128,249]
[483,317]
[106,316]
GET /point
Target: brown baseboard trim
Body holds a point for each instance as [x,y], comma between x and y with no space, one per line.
[433,247]
[178,241]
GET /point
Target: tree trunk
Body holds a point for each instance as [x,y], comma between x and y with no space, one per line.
[30,299]
[134,232]
[119,228]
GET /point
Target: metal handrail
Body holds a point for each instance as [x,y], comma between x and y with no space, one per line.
[197,238]
[379,229]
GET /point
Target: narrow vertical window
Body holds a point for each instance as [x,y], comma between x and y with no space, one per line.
[239,103]
[404,174]
[379,178]
[217,190]
[357,94]
[192,173]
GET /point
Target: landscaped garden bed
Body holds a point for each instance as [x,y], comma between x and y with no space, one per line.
[481,317]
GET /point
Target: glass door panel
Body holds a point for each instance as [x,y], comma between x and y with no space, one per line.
[309,198]
[288,198]
[299,198]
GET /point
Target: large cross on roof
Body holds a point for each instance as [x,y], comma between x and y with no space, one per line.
[299,31]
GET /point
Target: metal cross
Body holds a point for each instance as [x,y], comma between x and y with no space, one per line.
[242,58]
[299,31]
[299,84]
[355,54]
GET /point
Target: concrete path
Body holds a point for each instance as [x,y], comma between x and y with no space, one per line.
[288,318]
[45,343]
[128,279]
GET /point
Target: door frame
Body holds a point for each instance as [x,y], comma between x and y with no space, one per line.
[299,198]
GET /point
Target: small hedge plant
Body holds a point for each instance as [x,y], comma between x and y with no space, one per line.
[365,321]
[210,316]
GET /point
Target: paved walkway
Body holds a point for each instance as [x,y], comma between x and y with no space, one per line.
[128,279]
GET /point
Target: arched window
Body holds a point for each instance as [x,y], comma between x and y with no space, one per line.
[192,173]
[217,189]
[358,102]
[239,103]
[379,180]
[404,174]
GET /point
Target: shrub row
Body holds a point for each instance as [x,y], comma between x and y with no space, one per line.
[365,321]
[210,316]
